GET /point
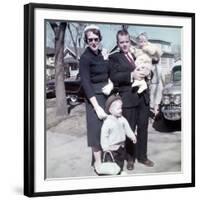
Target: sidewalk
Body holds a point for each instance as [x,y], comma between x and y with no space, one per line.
[69,156]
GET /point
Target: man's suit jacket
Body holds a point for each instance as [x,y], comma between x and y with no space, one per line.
[120,74]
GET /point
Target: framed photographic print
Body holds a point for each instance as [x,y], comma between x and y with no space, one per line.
[78,63]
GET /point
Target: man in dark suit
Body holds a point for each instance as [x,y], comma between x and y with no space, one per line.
[135,106]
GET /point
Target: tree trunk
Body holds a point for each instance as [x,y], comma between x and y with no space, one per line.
[61,105]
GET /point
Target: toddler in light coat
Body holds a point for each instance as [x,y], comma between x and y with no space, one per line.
[115,129]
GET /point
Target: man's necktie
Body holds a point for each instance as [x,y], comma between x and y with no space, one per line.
[130,60]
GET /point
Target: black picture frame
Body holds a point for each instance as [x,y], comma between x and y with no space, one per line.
[30,93]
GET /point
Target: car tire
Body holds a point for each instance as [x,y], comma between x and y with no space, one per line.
[73,100]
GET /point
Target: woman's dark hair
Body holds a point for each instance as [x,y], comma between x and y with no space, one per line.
[122,32]
[95,31]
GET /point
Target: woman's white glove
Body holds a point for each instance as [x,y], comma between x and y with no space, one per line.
[105,53]
[108,88]
[100,112]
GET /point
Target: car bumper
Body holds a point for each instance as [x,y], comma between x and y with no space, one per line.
[50,93]
[172,115]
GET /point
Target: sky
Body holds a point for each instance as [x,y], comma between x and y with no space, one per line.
[167,34]
[108,31]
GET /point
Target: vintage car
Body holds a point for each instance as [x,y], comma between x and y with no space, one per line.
[171,96]
[73,90]
[50,89]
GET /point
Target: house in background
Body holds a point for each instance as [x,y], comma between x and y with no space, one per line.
[50,60]
[167,58]
[71,63]
[71,59]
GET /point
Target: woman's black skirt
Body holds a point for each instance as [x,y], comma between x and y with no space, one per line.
[93,123]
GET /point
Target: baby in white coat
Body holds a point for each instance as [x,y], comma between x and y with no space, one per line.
[146,54]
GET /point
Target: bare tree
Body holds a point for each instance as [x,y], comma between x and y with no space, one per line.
[124,27]
[76,36]
[59,32]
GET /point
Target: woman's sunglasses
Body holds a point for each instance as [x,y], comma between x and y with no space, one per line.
[91,39]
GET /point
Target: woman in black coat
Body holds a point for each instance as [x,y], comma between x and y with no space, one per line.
[94,76]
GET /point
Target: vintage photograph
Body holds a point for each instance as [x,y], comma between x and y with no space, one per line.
[108,99]
[112,99]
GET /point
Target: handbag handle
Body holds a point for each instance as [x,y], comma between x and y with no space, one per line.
[109,152]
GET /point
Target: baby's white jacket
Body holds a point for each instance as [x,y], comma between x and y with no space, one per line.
[114,131]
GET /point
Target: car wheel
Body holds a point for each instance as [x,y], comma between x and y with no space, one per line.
[73,100]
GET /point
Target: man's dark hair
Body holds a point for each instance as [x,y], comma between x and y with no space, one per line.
[122,32]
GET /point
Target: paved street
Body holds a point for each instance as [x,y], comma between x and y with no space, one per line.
[69,156]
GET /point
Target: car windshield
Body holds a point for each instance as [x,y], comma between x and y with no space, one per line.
[177,73]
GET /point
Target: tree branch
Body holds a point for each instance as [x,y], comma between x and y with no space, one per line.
[73,41]
[53,26]
[63,25]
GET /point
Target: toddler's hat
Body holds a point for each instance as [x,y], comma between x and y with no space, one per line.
[110,100]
